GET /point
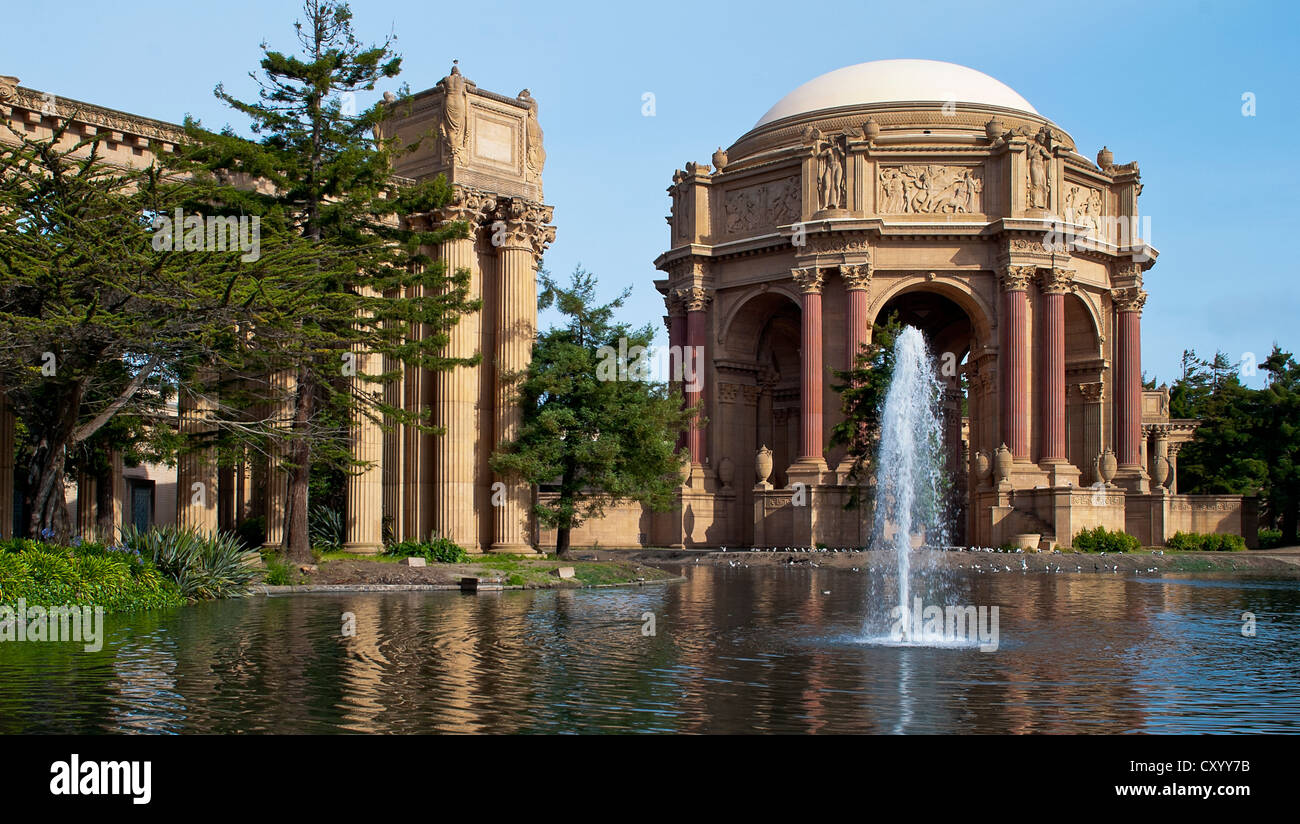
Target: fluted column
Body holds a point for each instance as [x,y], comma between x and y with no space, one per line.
[810,281]
[363,529]
[1091,394]
[1054,284]
[525,239]
[86,494]
[1013,367]
[857,280]
[196,469]
[696,303]
[6,468]
[676,320]
[1128,383]
[395,477]
[283,385]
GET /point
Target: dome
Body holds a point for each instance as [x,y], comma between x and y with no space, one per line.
[896,81]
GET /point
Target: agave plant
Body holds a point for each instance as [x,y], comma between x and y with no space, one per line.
[325,526]
[204,565]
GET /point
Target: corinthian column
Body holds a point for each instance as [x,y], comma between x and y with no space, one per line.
[365,488]
[526,237]
[857,280]
[811,461]
[676,320]
[456,390]
[1054,284]
[196,469]
[695,300]
[283,386]
[1013,367]
[1128,384]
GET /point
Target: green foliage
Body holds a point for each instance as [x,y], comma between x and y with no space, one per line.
[109,577]
[278,573]
[594,437]
[203,565]
[1100,539]
[1249,439]
[439,550]
[1270,538]
[862,395]
[326,529]
[1206,542]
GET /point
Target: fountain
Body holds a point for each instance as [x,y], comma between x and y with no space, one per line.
[910,482]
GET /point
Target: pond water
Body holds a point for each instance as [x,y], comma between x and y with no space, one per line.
[733,650]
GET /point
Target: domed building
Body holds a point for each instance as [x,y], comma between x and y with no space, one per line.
[937,193]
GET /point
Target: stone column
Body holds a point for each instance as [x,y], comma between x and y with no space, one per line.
[1092,440]
[1174,448]
[456,390]
[1054,284]
[857,280]
[196,469]
[1013,367]
[117,478]
[525,239]
[394,477]
[6,468]
[86,494]
[363,527]
[283,386]
[676,321]
[696,302]
[811,462]
[1128,373]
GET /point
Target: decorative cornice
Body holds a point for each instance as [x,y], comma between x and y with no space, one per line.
[809,279]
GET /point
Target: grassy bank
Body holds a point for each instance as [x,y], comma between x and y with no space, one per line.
[531,573]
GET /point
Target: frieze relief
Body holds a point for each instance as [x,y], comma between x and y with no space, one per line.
[931,189]
[768,204]
[1083,206]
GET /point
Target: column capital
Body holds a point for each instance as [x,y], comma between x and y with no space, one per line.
[1128,298]
[809,279]
[856,276]
[1016,277]
[1055,281]
[694,298]
[519,223]
[674,303]
[1091,392]
[470,205]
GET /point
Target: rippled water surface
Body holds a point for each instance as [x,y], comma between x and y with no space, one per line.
[734,650]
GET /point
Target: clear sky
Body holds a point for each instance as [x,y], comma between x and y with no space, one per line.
[1158,82]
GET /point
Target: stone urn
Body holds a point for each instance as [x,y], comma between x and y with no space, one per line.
[1105,158]
[726,472]
[1161,470]
[763,465]
[1002,463]
[994,129]
[1106,466]
[1027,541]
[871,129]
[983,466]
[719,159]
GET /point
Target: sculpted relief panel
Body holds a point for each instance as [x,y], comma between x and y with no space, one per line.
[930,189]
[1083,205]
[765,205]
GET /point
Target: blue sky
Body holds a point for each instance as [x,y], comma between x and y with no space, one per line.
[1158,82]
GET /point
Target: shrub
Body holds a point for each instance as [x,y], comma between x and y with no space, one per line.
[252,531]
[325,528]
[1206,542]
[1270,538]
[1100,539]
[203,565]
[278,573]
[53,575]
[439,550]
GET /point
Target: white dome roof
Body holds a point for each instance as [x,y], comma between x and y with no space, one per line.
[895,81]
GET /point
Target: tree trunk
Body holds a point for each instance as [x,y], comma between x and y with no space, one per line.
[1289,523]
[297,537]
[562,542]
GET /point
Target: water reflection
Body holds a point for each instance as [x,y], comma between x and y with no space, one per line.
[736,650]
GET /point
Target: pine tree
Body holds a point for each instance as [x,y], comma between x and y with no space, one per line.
[862,395]
[347,274]
[594,424]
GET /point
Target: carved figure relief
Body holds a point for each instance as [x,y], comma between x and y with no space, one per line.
[455,137]
[831,152]
[535,156]
[1040,185]
[931,189]
[1083,206]
[754,207]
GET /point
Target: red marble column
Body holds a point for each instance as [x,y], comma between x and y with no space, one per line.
[1055,283]
[857,279]
[1013,369]
[1128,375]
[676,320]
[810,441]
[696,301]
